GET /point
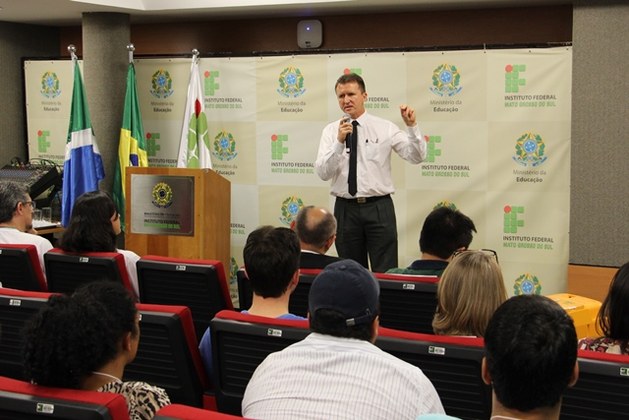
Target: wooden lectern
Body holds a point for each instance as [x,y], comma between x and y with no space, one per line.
[210,233]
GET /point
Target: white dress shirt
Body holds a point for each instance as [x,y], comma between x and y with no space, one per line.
[9,235]
[130,258]
[377,137]
[326,377]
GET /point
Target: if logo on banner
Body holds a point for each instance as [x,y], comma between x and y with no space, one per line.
[210,83]
[512,220]
[432,151]
[278,148]
[355,70]
[513,79]
[42,141]
[151,144]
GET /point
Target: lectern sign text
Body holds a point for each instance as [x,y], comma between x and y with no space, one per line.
[162,205]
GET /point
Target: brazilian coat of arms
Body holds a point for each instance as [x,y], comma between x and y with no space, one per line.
[291,83]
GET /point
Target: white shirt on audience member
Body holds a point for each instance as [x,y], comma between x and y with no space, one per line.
[130,258]
[325,377]
[9,235]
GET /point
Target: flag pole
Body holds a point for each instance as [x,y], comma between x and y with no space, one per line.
[130,49]
[72,50]
[195,55]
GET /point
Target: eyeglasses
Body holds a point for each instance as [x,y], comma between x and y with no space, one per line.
[31,203]
[485,251]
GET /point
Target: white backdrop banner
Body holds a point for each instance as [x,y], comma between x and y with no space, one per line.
[497,125]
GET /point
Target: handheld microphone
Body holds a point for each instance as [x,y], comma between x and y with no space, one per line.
[348,137]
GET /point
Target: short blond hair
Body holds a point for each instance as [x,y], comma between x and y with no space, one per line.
[470,290]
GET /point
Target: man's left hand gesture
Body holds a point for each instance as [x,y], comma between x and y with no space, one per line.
[408,115]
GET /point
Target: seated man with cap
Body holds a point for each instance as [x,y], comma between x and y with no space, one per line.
[337,371]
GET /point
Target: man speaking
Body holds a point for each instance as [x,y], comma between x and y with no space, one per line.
[355,154]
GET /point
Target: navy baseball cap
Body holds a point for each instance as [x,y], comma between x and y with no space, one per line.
[346,287]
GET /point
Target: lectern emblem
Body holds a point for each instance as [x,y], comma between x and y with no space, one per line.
[162,195]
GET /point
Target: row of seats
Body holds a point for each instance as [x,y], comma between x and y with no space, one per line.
[168,354]
[198,284]
[22,400]
[453,364]
[168,357]
[407,302]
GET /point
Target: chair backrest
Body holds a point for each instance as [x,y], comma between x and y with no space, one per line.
[16,308]
[298,303]
[453,365]
[22,400]
[240,342]
[20,268]
[185,412]
[602,388]
[407,302]
[198,284]
[168,356]
[66,271]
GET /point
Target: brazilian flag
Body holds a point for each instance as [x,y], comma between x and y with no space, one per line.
[132,149]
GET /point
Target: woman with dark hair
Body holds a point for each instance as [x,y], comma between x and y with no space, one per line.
[613,318]
[93,227]
[84,341]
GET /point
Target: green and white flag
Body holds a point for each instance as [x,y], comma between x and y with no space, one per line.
[194,148]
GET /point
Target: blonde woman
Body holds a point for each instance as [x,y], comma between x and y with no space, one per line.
[470,290]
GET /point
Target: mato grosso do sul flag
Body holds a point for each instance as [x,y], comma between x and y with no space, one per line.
[131,150]
[194,148]
[83,166]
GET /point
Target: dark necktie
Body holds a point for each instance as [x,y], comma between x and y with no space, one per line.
[353,151]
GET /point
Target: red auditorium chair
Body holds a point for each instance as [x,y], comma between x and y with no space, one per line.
[16,307]
[200,285]
[240,342]
[453,365]
[24,401]
[601,390]
[20,268]
[66,271]
[407,302]
[185,412]
[168,356]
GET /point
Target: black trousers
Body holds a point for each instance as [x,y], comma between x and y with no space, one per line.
[367,232]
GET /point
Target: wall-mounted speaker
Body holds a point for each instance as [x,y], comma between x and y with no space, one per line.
[309,34]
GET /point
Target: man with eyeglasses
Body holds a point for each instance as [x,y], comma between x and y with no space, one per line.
[16,219]
[445,231]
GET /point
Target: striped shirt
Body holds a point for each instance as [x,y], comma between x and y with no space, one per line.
[324,377]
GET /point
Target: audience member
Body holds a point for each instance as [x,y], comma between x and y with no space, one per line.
[470,290]
[16,219]
[613,318]
[444,232]
[84,341]
[530,358]
[316,230]
[271,257]
[337,372]
[93,227]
